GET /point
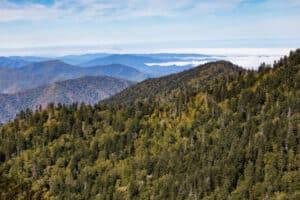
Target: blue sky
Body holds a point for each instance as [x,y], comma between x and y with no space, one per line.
[149,24]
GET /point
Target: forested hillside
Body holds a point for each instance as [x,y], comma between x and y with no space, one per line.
[200,77]
[214,132]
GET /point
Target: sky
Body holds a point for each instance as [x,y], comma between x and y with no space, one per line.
[68,26]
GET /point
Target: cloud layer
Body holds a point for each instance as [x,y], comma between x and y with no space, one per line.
[108,9]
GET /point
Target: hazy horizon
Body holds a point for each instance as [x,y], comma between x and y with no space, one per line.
[260,30]
[249,58]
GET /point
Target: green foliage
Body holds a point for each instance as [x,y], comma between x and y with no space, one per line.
[214,132]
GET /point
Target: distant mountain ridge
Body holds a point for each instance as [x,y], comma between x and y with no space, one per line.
[140,61]
[88,90]
[136,61]
[43,73]
[12,62]
[78,59]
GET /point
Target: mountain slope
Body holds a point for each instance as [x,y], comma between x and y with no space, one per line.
[87,90]
[157,86]
[43,73]
[217,133]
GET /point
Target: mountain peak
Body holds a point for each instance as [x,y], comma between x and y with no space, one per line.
[205,74]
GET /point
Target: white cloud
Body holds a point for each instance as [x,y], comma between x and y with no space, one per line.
[248,60]
[104,9]
[122,9]
[217,5]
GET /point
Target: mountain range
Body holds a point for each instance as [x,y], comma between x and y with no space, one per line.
[137,61]
[88,90]
[42,73]
[24,80]
[140,62]
[213,132]
[19,73]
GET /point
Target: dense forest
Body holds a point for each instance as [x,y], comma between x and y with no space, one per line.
[214,132]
